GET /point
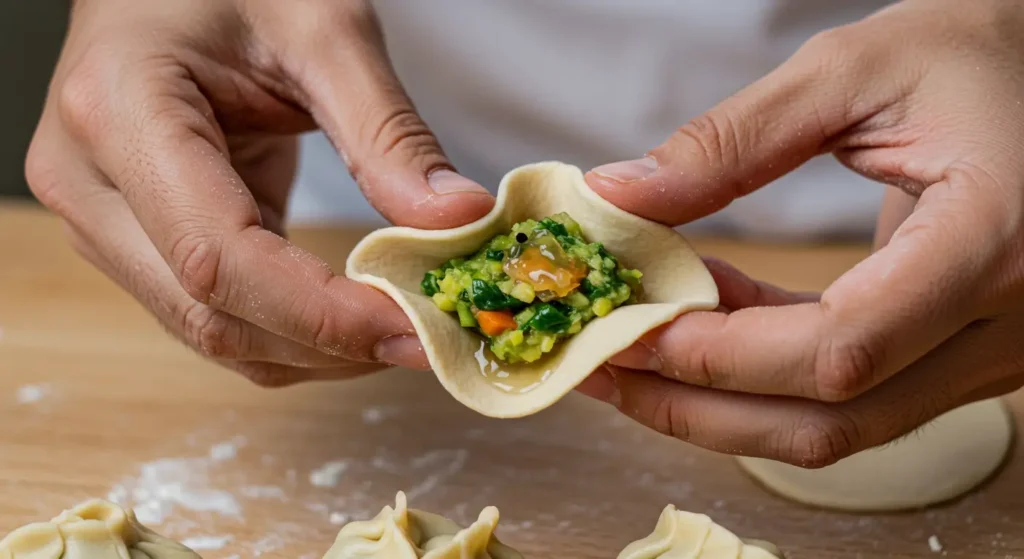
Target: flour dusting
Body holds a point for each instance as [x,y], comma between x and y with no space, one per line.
[329,474]
[338,518]
[449,463]
[273,542]
[167,483]
[227,450]
[32,393]
[202,543]
[263,492]
[377,414]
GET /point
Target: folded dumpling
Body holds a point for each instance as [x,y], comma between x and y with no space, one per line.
[687,535]
[95,529]
[403,533]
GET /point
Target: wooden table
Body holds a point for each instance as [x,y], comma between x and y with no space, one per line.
[96,400]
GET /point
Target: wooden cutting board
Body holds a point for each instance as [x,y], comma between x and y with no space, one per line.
[95,400]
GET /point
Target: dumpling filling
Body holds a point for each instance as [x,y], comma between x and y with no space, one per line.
[530,289]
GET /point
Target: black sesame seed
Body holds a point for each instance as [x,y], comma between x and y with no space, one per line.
[521,237]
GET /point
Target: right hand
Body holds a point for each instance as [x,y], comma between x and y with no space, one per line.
[168,145]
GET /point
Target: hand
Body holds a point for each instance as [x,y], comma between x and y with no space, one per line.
[168,146]
[925,96]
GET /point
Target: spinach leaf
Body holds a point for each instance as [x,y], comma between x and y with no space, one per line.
[556,229]
[494,254]
[488,297]
[429,284]
[549,319]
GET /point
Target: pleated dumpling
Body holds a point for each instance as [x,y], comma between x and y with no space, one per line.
[404,533]
[687,535]
[95,529]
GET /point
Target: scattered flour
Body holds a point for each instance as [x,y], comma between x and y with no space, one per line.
[32,393]
[328,474]
[377,414]
[169,482]
[448,462]
[227,450]
[934,544]
[263,492]
[373,416]
[273,542]
[201,543]
[338,518]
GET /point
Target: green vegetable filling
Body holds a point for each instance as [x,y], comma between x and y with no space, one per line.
[532,288]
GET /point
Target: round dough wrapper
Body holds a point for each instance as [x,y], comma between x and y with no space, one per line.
[944,459]
[675,281]
[686,534]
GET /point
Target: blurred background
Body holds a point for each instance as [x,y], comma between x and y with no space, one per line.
[31,32]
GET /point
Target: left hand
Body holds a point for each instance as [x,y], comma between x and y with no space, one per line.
[927,96]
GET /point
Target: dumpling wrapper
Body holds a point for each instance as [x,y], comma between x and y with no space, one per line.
[95,529]
[404,533]
[970,442]
[686,535]
[675,281]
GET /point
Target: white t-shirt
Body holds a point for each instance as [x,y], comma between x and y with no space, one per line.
[508,82]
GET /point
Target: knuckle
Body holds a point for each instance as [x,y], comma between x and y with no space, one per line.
[834,50]
[81,102]
[714,137]
[323,331]
[402,130]
[321,23]
[197,264]
[819,440]
[845,369]
[213,334]
[44,181]
[667,419]
[393,128]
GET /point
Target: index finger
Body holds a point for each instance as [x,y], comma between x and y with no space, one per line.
[171,164]
[884,314]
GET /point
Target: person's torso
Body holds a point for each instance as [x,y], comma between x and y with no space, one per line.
[508,82]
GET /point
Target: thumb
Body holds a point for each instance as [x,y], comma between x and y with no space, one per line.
[750,139]
[392,154]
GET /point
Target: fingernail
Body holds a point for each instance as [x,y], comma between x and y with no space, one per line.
[402,351]
[444,181]
[627,171]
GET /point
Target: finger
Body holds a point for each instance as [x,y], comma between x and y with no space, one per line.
[884,314]
[736,291]
[752,138]
[897,206]
[356,97]
[104,231]
[978,363]
[274,375]
[170,164]
[210,333]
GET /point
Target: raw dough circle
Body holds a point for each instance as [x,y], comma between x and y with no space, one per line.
[943,460]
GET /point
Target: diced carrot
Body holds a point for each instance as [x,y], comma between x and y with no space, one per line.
[496,322]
